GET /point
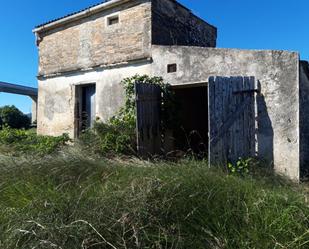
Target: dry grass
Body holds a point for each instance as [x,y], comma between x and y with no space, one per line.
[74,202]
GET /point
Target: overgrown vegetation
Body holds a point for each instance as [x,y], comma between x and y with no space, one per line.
[241,167]
[80,203]
[118,135]
[75,200]
[17,142]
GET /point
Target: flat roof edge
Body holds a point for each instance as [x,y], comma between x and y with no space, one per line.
[230,49]
[192,13]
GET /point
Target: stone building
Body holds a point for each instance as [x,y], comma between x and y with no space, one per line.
[84,56]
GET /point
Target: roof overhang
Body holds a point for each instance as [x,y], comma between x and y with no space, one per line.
[78,15]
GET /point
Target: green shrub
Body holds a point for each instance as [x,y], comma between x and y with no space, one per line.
[10,136]
[118,135]
[109,139]
[14,118]
[22,141]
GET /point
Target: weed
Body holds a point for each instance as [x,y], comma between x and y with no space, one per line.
[241,167]
[75,202]
[27,141]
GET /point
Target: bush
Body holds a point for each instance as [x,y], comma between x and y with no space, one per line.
[118,135]
[109,139]
[22,141]
[14,118]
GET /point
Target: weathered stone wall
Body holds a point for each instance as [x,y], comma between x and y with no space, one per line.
[281,133]
[173,24]
[304,119]
[278,103]
[90,42]
[56,103]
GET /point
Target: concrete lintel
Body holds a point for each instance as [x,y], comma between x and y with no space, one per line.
[96,68]
[190,84]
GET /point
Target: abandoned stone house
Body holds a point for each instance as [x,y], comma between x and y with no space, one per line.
[242,102]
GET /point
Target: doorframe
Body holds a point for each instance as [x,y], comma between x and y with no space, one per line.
[77,104]
[190,85]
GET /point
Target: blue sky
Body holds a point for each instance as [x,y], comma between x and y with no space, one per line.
[256,24]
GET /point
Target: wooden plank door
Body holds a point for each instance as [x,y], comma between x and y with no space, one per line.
[231,119]
[148,121]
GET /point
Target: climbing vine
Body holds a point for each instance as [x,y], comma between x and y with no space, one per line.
[128,112]
[118,135]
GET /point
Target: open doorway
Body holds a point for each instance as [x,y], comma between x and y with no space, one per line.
[192,132]
[85,107]
[217,119]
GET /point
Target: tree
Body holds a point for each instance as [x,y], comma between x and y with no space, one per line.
[14,118]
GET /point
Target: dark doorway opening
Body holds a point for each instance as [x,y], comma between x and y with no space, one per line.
[85,107]
[192,133]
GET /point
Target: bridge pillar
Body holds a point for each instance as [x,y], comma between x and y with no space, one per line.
[34,116]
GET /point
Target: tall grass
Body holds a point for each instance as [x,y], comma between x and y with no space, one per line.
[73,202]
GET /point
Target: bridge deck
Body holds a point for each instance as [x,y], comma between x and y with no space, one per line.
[18,89]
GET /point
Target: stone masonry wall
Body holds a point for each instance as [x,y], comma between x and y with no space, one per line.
[173,24]
[278,104]
[91,42]
[304,118]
